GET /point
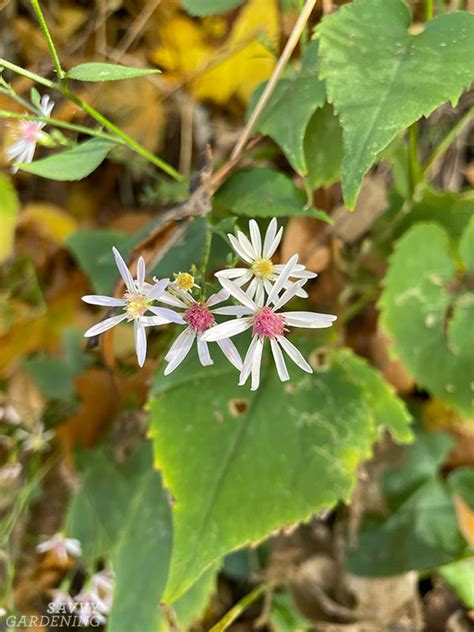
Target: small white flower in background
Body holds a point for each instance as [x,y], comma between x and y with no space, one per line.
[268,322]
[3,612]
[262,272]
[89,609]
[36,440]
[27,134]
[61,601]
[199,318]
[102,584]
[136,302]
[61,546]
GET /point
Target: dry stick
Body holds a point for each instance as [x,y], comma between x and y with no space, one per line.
[135,29]
[266,94]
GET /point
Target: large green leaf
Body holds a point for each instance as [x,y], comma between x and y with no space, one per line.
[241,464]
[210,7]
[301,96]
[460,576]
[260,192]
[98,71]
[9,209]
[430,314]
[381,78]
[71,164]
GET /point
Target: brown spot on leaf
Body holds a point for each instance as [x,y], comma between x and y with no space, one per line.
[238,407]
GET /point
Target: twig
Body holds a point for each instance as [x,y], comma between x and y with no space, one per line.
[135,29]
[266,94]
[237,610]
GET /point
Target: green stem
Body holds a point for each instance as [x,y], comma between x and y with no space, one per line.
[205,258]
[237,610]
[448,140]
[57,123]
[127,140]
[428,10]
[49,39]
[137,148]
[413,165]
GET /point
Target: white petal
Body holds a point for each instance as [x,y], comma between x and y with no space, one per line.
[311,320]
[245,278]
[252,288]
[256,364]
[230,351]
[106,324]
[256,238]
[46,105]
[279,361]
[140,342]
[267,285]
[141,271]
[218,297]
[180,354]
[153,321]
[227,330]
[233,310]
[167,314]
[288,294]
[73,547]
[168,299]
[282,279]
[178,343]
[157,290]
[203,353]
[104,301]
[247,366]
[124,271]
[232,273]
[238,293]
[246,245]
[260,293]
[294,354]
[269,237]
[235,243]
[270,247]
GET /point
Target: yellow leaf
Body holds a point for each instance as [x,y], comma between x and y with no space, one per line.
[9,206]
[220,72]
[49,220]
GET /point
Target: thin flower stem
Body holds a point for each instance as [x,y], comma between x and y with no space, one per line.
[28,75]
[57,123]
[269,88]
[127,140]
[448,139]
[205,258]
[239,607]
[428,9]
[49,39]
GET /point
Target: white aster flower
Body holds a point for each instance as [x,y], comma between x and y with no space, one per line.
[102,586]
[36,440]
[262,272]
[61,546]
[199,318]
[268,322]
[27,134]
[89,609]
[136,302]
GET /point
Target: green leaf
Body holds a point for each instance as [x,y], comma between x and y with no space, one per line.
[451,210]
[284,615]
[262,192]
[71,164]
[466,246]
[381,79]
[460,576]
[97,71]
[461,482]
[141,558]
[273,457]
[9,209]
[192,604]
[421,290]
[300,96]
[323,148]
[210,7]
[92,249]
[420,535]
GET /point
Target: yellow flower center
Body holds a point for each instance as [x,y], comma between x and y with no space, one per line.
[137,305]
[263,268]
[184,281]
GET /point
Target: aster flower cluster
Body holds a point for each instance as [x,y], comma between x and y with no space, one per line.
[89,607]
[258,293]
